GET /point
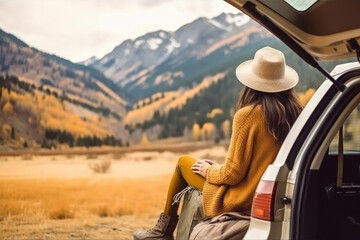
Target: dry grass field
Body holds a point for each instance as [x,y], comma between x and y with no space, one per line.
[61,196]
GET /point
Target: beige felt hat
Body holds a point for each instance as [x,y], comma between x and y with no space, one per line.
[267,72]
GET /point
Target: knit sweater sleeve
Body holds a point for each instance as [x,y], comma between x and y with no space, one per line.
[240,150]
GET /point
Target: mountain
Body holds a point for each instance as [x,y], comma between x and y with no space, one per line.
[48,102]
[89,61]
[162,61]
[70,80]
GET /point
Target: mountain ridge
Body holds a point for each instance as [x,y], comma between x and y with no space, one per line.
[158,61]
[41,68]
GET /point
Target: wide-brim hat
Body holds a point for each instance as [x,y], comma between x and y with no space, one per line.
[267,72]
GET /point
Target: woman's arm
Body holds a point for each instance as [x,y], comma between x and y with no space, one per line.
[240,150]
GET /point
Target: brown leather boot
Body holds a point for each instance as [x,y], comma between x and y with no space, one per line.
[163,229]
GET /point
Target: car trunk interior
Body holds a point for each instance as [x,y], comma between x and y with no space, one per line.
[325,213]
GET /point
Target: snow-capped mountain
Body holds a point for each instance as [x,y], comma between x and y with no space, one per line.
[149,59]
[89,61]
[229,21]
[133,56]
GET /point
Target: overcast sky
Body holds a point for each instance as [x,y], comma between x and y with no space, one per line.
[79,29]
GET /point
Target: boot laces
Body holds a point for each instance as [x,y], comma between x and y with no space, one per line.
[159,223]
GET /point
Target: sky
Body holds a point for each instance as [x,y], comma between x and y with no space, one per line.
[79,29]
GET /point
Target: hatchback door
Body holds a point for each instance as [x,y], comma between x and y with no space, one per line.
[326,29]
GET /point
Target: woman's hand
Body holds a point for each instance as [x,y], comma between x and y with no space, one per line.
[201,166]
[210,162]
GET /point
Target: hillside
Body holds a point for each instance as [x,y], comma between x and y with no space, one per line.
[60,75]
[33,117]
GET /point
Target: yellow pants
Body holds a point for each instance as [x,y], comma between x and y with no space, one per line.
[183,176]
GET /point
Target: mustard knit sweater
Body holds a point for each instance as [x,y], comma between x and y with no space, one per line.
[231,186]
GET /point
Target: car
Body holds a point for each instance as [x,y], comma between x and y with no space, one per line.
[312,189]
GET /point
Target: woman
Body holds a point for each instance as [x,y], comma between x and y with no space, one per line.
[266,110]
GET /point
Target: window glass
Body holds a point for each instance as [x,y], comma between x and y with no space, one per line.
[301,5]
[351,133]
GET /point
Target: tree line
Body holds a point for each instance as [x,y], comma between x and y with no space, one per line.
[64,137]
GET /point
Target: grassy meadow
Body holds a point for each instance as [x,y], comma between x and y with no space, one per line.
[72,196]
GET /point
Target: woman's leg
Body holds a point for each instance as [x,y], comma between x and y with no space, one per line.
[183,176]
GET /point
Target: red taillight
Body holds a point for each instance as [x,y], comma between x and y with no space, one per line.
[263,202]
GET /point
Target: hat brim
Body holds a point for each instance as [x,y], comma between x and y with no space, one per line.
[246,76]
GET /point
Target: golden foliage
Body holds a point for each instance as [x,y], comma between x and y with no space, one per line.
[226,128]
[146,112]
[168,77]
[144,139]
[179,74]
[171,100]
[181,100]
[110,92]
[305,97]
[214,112]
[208,131]
[6,129]
[51,113]
[196,132]
[165,77]
[8,108]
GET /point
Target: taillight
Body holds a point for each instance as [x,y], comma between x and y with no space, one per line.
[263,202]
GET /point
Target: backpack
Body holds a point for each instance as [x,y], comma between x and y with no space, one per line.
[191,212]
[230,225]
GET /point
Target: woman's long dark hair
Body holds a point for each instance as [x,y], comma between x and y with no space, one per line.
[280,109]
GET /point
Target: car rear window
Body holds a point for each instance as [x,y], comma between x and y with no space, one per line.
[351,133]
[301,5]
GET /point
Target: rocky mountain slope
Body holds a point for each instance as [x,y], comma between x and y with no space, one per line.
[73,81]
[162,61]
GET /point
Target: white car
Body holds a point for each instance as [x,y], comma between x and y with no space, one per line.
[312,190]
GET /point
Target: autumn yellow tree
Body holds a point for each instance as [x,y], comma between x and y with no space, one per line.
[225,127]
[144,139]
[208,131]
[6,129]
[305,97]
[196,132]
[8,108]
[214,112]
